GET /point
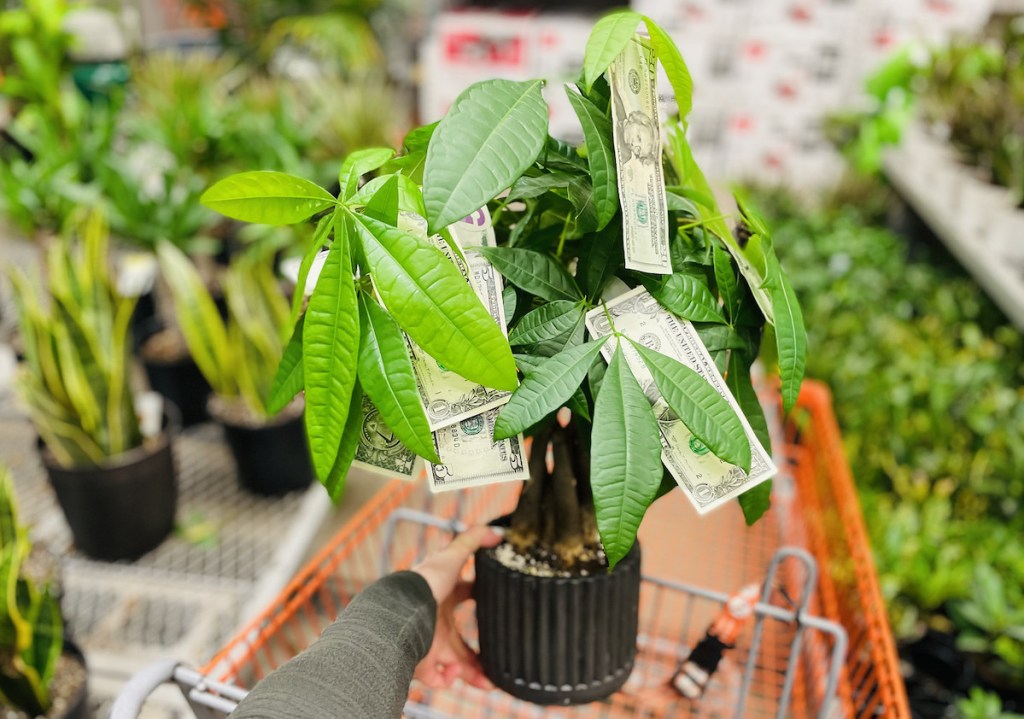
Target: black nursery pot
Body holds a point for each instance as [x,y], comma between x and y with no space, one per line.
[122,509]
[557,640]
[272,459]
[181,382]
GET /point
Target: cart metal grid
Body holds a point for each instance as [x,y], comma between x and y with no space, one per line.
[786,664]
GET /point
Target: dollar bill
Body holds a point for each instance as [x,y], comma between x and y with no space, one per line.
[471,457]
[474,230]
[380,451]
[707,480]
[447,397]
[633,77]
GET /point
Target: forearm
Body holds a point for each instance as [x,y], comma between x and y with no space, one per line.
[362,664]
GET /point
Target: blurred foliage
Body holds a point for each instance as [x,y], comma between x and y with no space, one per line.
[31,627]
[75,382]
[971,91]
[927,380]
[983,705]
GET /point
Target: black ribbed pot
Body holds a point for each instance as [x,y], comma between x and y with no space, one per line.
[272,459]
[557,640]
[181,382]
[122,509]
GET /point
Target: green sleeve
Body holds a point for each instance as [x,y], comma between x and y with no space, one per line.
[362,664]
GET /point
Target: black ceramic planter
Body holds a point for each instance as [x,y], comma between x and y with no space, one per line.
[122,509]
[272,459]
[181,382]
[557,640]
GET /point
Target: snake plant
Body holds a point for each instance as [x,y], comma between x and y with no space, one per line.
[238,357]
[31,629]
[76,379]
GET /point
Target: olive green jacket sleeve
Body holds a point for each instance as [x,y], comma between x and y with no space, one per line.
[362,664]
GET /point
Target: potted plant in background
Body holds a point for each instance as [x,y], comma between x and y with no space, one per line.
[41,672]
[403,350]
[114,482]
[239,359]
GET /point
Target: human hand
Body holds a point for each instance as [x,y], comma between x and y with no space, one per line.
[449,657]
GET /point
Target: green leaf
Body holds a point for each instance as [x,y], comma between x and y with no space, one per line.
[625,469]
[755,502]
[289,379]
[383,205]
[358,164]
[410,197]
[601,256]
[418,138]
[790,333]
[386,375]
[675,66]
[330,347]
[270,198]
[704,412]
[492,133]
[577,403]
[531,186]
[347,446]
[546,388]
[687,297]
[433,303]
[535,272]
[725,278]
[549,321]
[509,300]
[738,380]
[606,41]
[597,133]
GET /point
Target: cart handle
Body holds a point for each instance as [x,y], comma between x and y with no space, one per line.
[143,683]
[203,694]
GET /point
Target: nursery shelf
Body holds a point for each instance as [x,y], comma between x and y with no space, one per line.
[184,598]
[959,210]
[780,666]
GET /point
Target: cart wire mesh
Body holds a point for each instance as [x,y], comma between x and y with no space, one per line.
[792,661]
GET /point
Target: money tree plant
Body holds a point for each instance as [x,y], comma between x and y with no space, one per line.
[468,290]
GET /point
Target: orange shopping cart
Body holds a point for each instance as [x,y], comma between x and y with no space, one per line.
[818,645]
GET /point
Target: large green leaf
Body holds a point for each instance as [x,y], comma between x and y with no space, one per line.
[431,300]
[625,468]
[492,133]
[289,379]
[577,403]
[601,256]
[547,322]
[271,198]
[606,41]
[535,272]
[545,389]
[386,375]
[334,483]
[704,412]
[790,333]
[330,347]
[687,297]
[675,66]
[358,164]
